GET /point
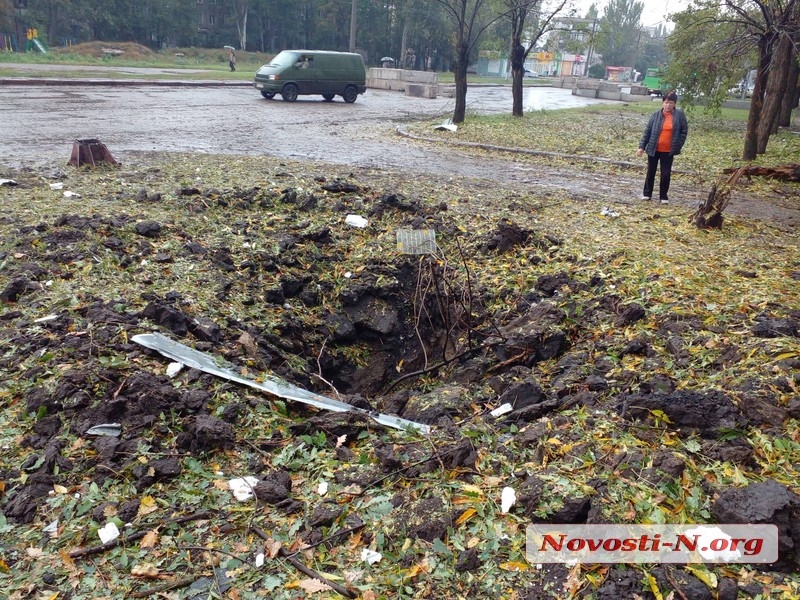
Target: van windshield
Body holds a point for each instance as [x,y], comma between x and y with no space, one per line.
[285,59]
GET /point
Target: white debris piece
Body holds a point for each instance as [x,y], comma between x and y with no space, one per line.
[242,487]
[259,559]
[173,369]
[322,488]
[502,409]
[57,186]
[607,212]
[356,221]
[69,194]
[370,556]
[52,528]
[108,533]
[508,498]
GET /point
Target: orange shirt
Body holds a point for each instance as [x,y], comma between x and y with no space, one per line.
[665,139]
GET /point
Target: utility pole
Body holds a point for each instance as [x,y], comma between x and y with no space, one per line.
[353,27]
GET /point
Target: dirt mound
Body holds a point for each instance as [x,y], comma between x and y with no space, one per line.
[128,50]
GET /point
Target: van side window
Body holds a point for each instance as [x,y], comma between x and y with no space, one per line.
[306,62]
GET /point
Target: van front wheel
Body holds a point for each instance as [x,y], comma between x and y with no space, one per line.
[350,94]
[328,97]
[289,93]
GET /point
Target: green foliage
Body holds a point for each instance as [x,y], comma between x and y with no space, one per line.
[709,51]
[620,31]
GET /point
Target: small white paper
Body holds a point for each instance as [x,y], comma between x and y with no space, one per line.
[7,182]
[507,499]
[370,556]
[57,186]
[242,487]
[108,533]
[322,488]
[173,369]
[356,221]
[260,559]
[69,194]
[502,409]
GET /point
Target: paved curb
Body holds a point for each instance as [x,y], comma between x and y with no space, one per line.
[598,159]
[62,82]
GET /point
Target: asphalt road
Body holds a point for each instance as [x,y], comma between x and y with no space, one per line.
[41,122]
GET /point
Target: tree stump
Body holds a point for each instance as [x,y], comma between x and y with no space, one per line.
[90,152]
[709,214]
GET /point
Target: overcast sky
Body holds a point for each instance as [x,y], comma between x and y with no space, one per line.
[655,11]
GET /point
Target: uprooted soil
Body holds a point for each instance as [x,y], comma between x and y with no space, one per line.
[643,386]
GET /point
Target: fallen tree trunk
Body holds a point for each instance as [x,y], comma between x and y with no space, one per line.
[782,172]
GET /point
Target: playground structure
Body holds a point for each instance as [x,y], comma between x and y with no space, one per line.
[8,42]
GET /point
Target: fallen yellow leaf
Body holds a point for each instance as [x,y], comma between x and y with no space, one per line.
[513,566]
[147,505]
[466,516]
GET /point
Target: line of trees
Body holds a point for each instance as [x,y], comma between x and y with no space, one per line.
[414,32]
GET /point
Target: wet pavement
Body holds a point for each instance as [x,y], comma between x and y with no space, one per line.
[41,122]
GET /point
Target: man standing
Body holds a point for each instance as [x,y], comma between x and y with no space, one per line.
[232,59]
[662,140]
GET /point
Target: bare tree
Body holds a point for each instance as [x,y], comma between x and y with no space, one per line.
[471,18]
[519,13]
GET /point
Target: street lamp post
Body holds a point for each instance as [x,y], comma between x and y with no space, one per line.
[353,27]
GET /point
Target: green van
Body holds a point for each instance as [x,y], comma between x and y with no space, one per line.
[309,72]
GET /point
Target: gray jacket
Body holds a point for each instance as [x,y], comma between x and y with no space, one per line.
[680,129]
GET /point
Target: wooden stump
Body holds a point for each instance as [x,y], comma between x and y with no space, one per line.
[90,152]
[709,214]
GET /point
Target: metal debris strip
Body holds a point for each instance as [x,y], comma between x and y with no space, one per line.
[416,241]
[268,383]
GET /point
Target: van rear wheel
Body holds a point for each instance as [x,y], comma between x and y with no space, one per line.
[289,93]
[328,97]
[350,94]
[268,95]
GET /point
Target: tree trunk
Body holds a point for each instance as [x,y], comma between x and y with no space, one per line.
[460,73]
[757,101]
[773,94]
[517,72]
[401,60]
[790,96]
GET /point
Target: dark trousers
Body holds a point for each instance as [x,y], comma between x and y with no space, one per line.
[665,159]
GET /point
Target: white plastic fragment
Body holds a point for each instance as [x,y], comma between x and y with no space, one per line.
[356,221]
[108,533]
[69,194]
[508,498]
[57,186]
[259,559]
[7,182]
[242,487]
[370,556]
[173,369]
[502,409]
[322,488]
